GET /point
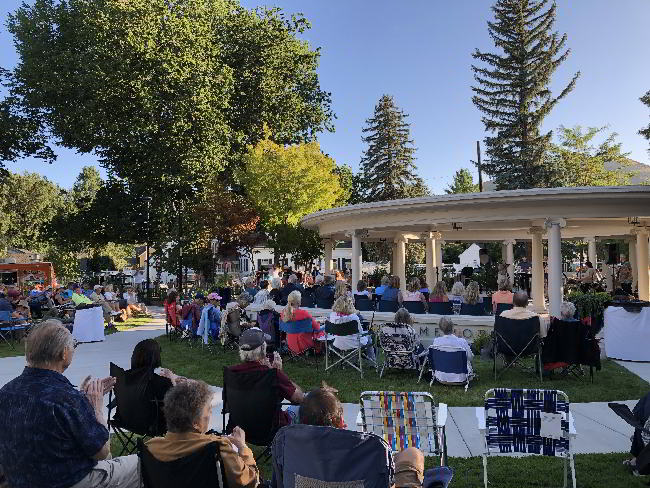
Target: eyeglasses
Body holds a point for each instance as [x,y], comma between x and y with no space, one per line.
[75,343]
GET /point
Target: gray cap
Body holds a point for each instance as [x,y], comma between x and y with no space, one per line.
[252,339]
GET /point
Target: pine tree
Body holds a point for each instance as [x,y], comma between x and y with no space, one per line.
[387,165]
[513,91]
[646,131]
[462,183]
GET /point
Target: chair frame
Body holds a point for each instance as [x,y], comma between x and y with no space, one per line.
[411,306]
[394,353]
[6,329]
[469,376]
[568,434]
[438,420]
[344,357]
[518,356]
[303,355]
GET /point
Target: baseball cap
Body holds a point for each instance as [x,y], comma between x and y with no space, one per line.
[252,339]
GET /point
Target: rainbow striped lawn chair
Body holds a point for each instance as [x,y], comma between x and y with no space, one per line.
[405,419]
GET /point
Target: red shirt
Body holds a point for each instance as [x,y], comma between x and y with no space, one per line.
[304,340]
[170,309]
[285,386]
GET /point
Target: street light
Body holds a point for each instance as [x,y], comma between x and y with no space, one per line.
[148,296]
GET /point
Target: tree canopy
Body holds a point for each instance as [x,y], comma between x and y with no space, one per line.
[463,182]
[512,90]
[645,99]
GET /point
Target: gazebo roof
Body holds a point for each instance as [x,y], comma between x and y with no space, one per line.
[493,215]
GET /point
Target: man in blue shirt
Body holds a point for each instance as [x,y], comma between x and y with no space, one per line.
[54,435]
[385,282]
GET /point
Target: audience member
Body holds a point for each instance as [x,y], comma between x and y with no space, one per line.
[188,408]
[567,311]
[457,293]
[402,325]
[472,294]
[251,286]
[54,435]
[5,304]
[392,293]
[191,313]
[300,341]
[361,289]
[292,285]
[173,309]
[503,295]
[413,293]
[78,298]
[132,300]
[275,294]
[325,292]
[448,339]
[439,293]
[519,311]
[341,290]
[210,321]
[385,283]
[263,294]
[343,311]
[424,287]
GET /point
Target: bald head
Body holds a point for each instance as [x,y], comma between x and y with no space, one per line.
[520,299]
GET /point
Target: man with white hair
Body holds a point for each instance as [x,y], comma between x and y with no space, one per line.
[292,285]
[53,435]
[252,352]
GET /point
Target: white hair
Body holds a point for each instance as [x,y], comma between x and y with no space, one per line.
[445,325]
[292,279]
[256,354]
[319,279]
[268,305]
[276,283]
[46,343]
[567,310]
[458,289]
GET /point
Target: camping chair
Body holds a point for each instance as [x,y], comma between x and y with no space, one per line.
[268,321]
[527,422]
[567,345]
[388,306]
[9,327]
[405,419]
[399,349]
[303,326]
[441,308]
[475,309]
[345,356]
[253,402]
[502,307]
[515,340]
[414,307]
[446,359]
[135,415]
[363,304]
[201,469]
[233,329]
[309,455]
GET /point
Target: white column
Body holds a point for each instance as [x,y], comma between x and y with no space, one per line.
[609,276]
[642,263]
[400,260]
[439,244]
[329,244]
[591,251]
[430,259]
[356,259]
[537,285]
[554,265]
[393,260]
[510,259]
[632,259]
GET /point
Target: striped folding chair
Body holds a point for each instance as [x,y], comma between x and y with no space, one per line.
[533,422]
[406,419]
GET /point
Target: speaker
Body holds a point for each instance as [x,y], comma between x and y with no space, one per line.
[612,254]
[483,256]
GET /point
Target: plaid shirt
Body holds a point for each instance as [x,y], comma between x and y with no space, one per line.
[48,431]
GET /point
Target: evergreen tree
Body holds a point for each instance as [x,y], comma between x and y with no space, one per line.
[513,91]
[646,131]
[462,183]
[388,163]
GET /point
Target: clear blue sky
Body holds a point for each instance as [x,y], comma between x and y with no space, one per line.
[420,52]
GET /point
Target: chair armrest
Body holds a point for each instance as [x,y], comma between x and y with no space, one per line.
[359,419]
[572,427]
[441,418]
[480,417]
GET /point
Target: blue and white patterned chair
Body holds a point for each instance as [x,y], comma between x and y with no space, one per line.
[534,422]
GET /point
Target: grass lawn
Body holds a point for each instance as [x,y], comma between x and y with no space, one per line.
[138,322]
[6,351]
[612,383]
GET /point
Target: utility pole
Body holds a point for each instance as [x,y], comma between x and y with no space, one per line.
[480,176]
[148,295]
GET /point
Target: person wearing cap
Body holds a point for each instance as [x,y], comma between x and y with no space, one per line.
[252,352]
[22,311]
[210,321]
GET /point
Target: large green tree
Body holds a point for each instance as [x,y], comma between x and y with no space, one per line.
[513,90]
[463,182]
[388,163]
[577,161]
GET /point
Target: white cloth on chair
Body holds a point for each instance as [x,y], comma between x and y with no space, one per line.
[88,325]
[627,334]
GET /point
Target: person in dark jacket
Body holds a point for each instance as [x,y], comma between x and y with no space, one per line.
[325,293]
[292,285]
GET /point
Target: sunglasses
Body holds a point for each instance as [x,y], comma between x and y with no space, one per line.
[75,343]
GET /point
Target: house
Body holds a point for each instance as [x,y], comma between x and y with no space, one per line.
[469,257]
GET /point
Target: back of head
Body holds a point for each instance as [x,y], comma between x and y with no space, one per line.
[503,284]
[244,300]
[321,407]
[520,299]
[385,280]
[440,289]
[414,285]
[292,279]
[340,289]
[171,298]
[319,279]
[46,344]
[403,317]
[361,285]
[293,303]
[146,354]
[423,282]
[264,284]
[567,311]
[344,305]
[395,282]
[328,280]
[458,289]
[276,283]
[446,326]
[184,404]
[472,293]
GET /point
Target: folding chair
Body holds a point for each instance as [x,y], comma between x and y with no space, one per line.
[269,322]
[230,336]
[567,345]
[136,414]
[201,469]
[253,402]
[414,307]
[364,304]
[535,422]
[502,307]
[405,419]
[446,359]
[441,308]
[298,327]
[388,306]
[515,340]
[399,349]
[9,327]
[345,356]
[475,309]
[309,455]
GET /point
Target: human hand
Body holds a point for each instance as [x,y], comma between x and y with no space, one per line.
[95,393]
[238,438]
[277,361]
[108,383]
[84,384]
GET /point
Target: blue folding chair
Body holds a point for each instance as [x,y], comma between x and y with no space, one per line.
[303,326]
[475,309]
[443,359]
[388,305]
[414,307]
[9,326]
[441,308]
[364,304]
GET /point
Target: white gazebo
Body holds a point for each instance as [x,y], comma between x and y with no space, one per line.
[590,213]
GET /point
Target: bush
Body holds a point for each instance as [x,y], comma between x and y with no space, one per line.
[590,304]
[481,340]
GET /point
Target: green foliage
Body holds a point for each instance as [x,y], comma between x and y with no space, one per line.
[576,161]
[481,340]
[351,184]
[590,304]
[487,276]
[415,254]
[512,90]
[388,166]
[463,182]
[452,250]
[645,99]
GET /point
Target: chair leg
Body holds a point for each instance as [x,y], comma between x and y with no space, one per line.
[424,364]
[485,480]
[566,471]
[360,361]
[573,470]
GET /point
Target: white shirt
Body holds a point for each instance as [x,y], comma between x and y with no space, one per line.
[130,298]
[261,296]
[351,341]
[453,342]
[109,295]
[364,292]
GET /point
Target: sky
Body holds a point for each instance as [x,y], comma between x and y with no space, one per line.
[419,51]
